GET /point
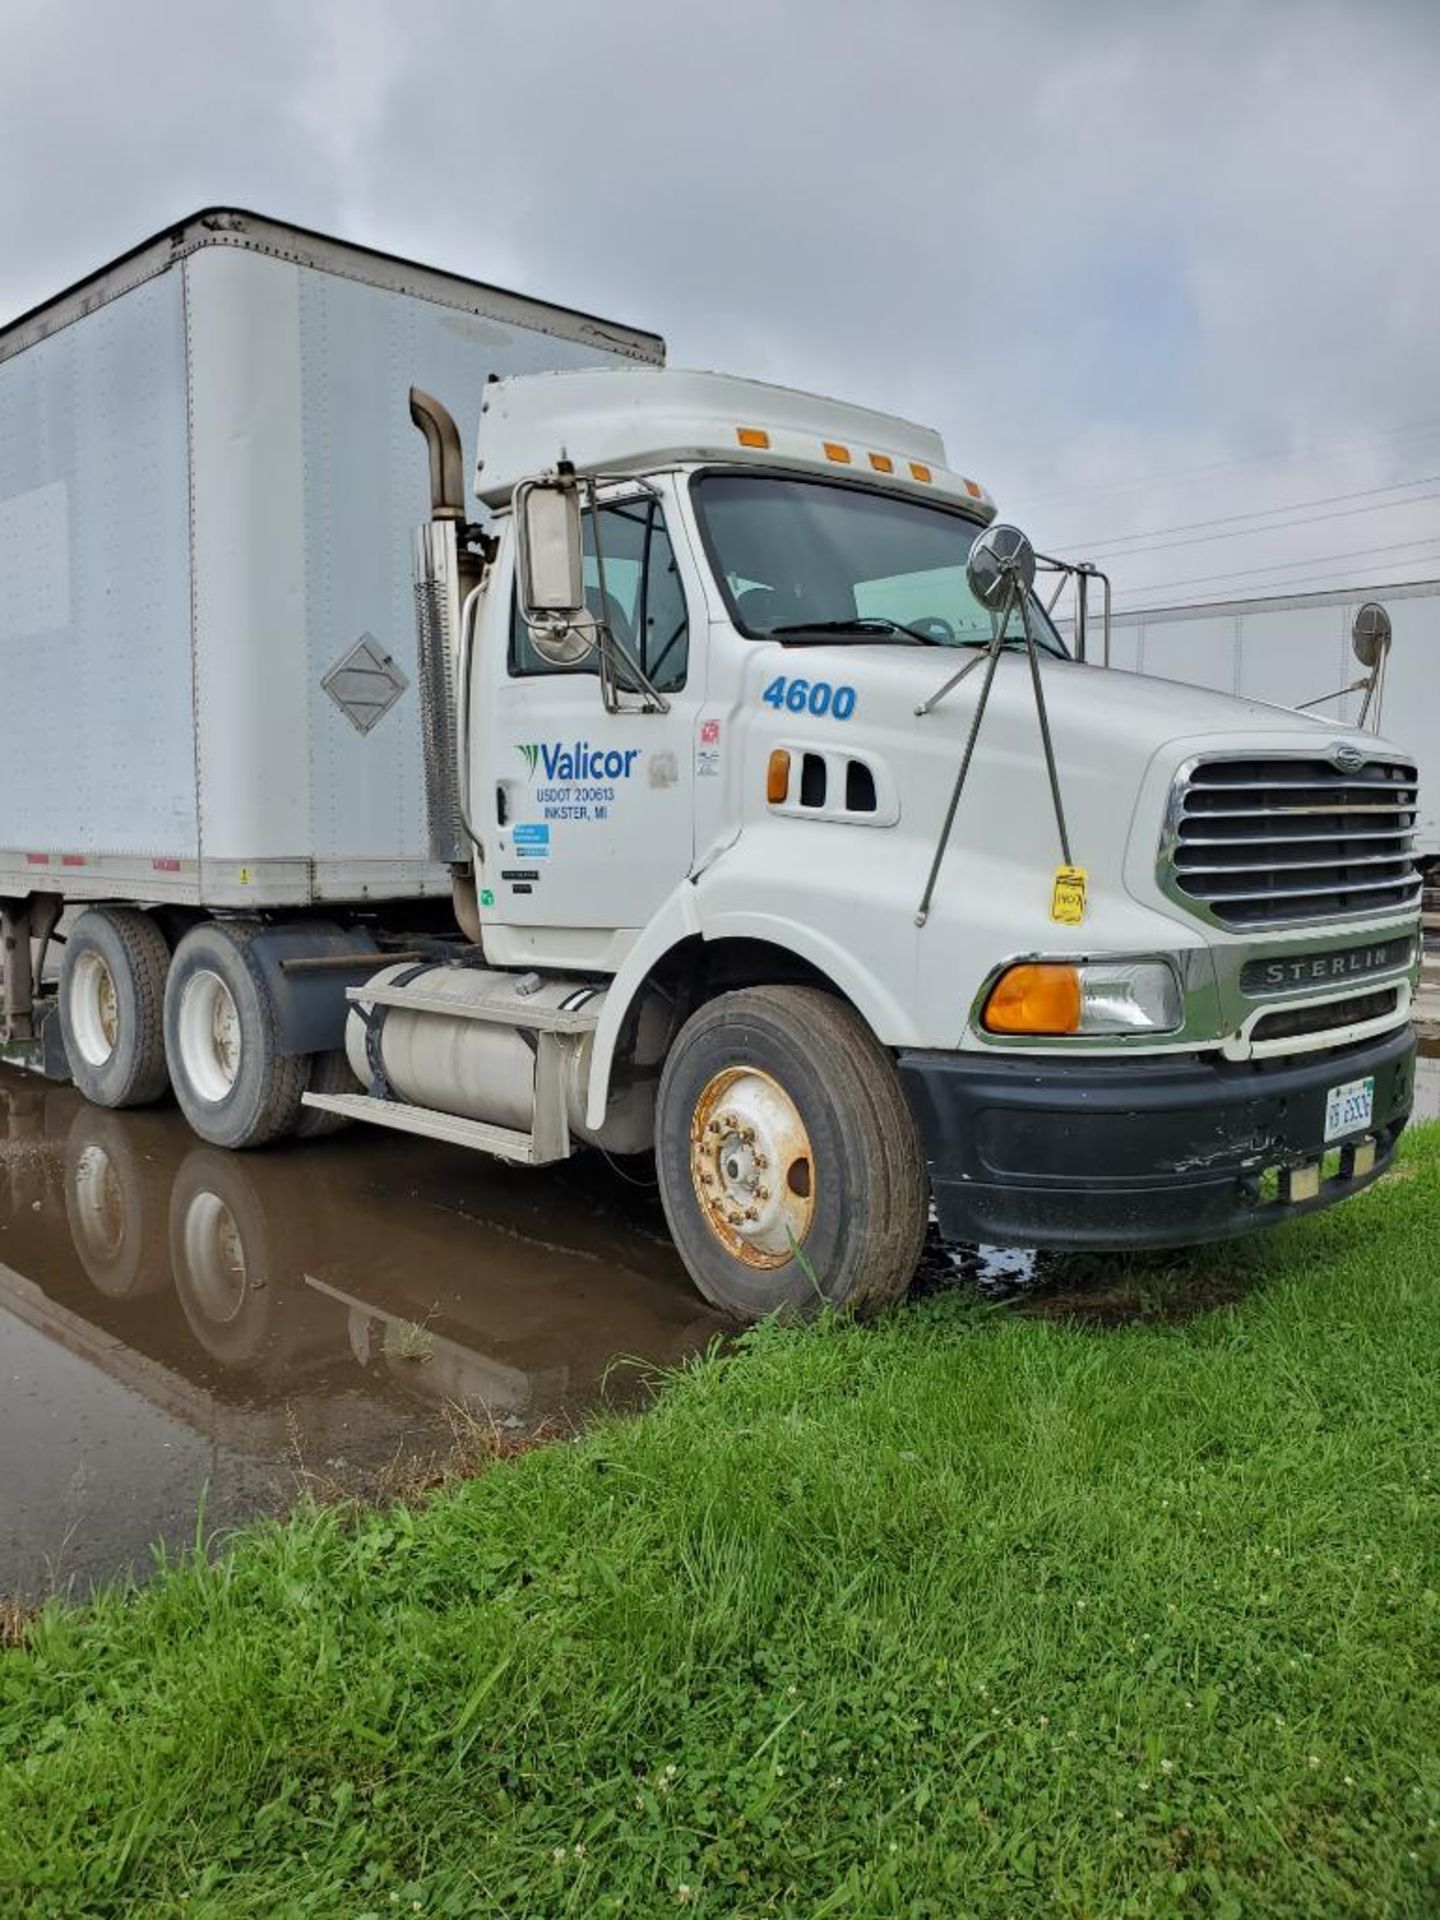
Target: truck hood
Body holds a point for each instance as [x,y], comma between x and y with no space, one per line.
[1120,739]
[1136,708]
[1128,717]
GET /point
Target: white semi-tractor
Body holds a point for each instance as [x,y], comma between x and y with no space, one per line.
[730,797]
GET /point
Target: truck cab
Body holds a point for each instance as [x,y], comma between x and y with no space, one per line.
[839,881]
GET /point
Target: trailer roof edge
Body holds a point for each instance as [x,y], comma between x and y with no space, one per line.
[258,233]
[1280,602]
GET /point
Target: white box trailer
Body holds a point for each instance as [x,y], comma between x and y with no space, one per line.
[208,484]
[1294,649]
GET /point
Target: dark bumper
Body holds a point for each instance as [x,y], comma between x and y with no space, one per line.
[1110,1154]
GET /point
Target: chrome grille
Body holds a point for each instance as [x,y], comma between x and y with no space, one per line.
[1276,843]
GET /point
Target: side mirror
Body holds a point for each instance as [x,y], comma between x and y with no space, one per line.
[550,572]
[1002,562]
[1370,635]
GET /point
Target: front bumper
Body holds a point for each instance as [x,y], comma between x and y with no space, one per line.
[1115,1153]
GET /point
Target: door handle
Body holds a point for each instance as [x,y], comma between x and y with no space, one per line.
[502,805]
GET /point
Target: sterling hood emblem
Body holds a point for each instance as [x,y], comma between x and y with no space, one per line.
[1346,757]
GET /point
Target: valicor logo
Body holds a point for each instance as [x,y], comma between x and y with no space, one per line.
[570,760]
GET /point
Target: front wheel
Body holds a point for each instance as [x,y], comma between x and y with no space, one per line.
[789,1164]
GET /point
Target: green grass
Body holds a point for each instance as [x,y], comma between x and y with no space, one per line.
[974,1612]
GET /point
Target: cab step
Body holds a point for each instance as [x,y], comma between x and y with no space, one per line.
[504,1143]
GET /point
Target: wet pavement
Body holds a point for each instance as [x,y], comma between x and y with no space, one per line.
[185,1331]
[180,1325]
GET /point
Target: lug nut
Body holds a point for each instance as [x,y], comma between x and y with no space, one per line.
[762,1193]
[752,1213]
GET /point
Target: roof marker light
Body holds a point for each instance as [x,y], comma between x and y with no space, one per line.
[975,490]
[752,436]
[834,451]
[919,472]
[882,463]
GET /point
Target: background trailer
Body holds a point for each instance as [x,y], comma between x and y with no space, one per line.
[1297,648]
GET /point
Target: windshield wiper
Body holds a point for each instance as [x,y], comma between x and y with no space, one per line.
[860,628]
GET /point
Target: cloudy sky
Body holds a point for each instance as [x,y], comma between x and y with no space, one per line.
[1166,276]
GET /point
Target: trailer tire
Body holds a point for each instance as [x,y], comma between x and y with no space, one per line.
[329,1073]
[112,999]
[235,1084]
[780,1099]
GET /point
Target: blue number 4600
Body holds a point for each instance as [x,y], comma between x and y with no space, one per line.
[815,697]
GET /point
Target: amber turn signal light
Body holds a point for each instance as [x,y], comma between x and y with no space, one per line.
[1035,999]
[777,778]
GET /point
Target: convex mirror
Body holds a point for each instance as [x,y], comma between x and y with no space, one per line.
[1370,635]
[1002,562]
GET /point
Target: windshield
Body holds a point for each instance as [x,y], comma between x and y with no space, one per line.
[815,558]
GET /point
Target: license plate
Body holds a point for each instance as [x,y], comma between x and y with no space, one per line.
[1350,1108]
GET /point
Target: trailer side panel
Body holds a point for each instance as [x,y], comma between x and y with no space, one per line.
[98,758]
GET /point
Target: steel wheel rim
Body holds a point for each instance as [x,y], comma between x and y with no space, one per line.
[214,1258]
[753,1166]
[209,1035]
[94,1009]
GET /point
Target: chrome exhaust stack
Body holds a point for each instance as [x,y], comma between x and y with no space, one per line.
[447,574]
[447,461]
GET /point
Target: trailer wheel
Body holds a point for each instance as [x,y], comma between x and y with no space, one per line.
[234,1084]
[112,996]
[789,1164]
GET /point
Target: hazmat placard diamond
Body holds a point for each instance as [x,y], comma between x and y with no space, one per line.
[365,683]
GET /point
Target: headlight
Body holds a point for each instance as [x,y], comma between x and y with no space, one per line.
[1093,997]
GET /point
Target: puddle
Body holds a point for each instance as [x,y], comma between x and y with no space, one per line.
[179,1324]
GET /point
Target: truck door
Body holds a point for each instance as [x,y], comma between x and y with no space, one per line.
[594,814]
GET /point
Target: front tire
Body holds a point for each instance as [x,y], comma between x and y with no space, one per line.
[233,1082]
[789,1164]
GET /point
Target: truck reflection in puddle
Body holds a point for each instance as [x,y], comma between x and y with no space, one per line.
[178,1323]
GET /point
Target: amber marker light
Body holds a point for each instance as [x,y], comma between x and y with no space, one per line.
[1035,999]
[835,451]
[752,436]
[882,463]
[920,472]
[777,777]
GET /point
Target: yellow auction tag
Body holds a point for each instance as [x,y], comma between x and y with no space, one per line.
[1067,902]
